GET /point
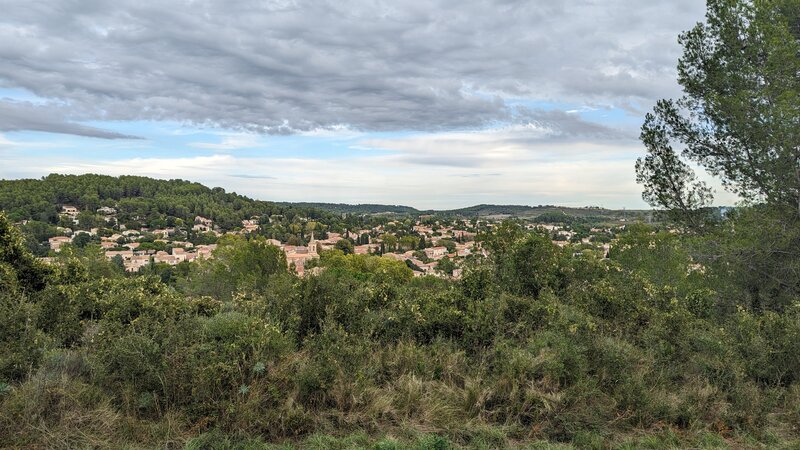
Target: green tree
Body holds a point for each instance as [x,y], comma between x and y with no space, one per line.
[738,116]
[531,264]
[660,256]
[446,265]
[449,244]
[117,260]
[738,121]
[18,268]
[504,236]
[371,267]
[390,240]
[36,235]
[81,240]
[345,246]
[408,242]
[88,220]
[238,264]
[21,275]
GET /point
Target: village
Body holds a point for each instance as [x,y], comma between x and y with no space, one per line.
[433,249]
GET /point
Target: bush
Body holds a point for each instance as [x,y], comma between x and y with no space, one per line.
[533,349]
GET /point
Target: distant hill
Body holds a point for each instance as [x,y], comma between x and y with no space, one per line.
[151,201]
[141,200]
[365,208]
[483,210]
[491,210]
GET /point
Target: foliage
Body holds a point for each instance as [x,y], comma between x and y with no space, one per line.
[531,347]
[676,340]
[238,264]
[345,246]
[738,121]
[18,268]
[138,200]
[738,117]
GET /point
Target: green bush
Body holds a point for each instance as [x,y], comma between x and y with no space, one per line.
[534,351]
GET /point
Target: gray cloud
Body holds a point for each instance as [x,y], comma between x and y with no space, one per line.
[17,116]
[536,135]
[477,175]
[252,177]
[564,126]
[299,65]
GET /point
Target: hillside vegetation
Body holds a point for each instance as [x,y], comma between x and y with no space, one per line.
[532,347]
[138,199]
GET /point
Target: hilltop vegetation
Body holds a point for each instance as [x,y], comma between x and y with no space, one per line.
[139,200]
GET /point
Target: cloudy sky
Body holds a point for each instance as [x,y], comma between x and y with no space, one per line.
[429,103]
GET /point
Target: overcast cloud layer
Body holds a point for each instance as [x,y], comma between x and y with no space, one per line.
[478,85]
[283,66]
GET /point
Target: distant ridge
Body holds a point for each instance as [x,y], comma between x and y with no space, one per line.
[482,210]
[40,198]
[361,208]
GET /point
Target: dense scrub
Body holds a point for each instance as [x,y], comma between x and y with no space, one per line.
[532,348]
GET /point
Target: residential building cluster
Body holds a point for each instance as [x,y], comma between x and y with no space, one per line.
[455,240]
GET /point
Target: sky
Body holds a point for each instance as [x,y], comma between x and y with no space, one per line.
[427,103]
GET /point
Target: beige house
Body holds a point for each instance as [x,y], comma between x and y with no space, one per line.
[201,227]
[164,257]
[136,263]
[366,249]
[422,229]
[429,267]
[436,252]
[205,251]
[57,241]
[124,254]
[464,234]
[394,256]
[463,251]
[69,210]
